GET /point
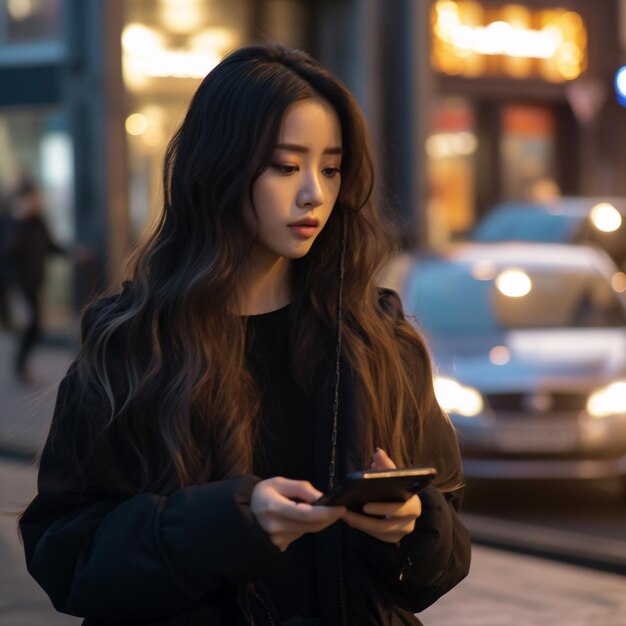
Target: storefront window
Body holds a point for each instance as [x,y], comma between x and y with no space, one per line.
[26,21]
[35,144]
[528,152]
[168,46]
[451,149]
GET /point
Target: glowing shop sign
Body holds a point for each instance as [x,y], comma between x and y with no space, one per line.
[146,54]
[472,40]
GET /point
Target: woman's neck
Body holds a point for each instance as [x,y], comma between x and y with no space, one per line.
[266,284]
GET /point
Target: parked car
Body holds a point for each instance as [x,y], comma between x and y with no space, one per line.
[579,220]
[529,345]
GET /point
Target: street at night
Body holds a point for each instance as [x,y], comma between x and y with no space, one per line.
[363,254]
[501,584]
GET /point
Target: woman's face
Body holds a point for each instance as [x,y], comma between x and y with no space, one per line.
[295,194]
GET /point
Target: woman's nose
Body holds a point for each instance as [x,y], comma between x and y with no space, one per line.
[311,194]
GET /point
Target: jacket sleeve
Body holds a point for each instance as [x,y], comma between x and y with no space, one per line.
[436,556]
[135,558]
[428,562]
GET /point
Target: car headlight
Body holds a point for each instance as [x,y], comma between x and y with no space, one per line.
[456,398]
[607,401]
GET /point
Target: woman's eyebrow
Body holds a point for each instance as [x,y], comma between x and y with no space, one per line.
[292,147]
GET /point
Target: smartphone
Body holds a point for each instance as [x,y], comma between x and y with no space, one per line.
[387,485]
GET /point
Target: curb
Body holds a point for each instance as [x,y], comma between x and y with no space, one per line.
[594,552]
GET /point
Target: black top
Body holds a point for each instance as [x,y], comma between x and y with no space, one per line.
[120,558]
[286,449]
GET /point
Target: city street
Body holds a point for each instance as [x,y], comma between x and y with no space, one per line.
[257,169]
[503,588]
[583,522]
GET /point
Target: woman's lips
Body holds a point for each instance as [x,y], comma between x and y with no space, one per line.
[305,229]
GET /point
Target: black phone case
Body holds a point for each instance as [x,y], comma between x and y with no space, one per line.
[360,488]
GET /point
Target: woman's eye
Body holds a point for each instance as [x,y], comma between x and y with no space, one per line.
[331,172]
[285,169]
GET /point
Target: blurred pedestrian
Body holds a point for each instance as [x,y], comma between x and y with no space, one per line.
[26,244]
[248,365]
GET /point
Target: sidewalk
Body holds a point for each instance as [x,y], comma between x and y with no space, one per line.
[26,410]
[506,589]
[502,589]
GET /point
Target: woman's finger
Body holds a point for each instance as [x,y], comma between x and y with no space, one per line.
[283,540]
[389,530]
[306,513]
[296,489]
[283,531]
[412,507]
[284,505]
[368,523]
[381,460]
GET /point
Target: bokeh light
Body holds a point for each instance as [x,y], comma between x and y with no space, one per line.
[620,85]
[136,124]
[514,283]
[499,355]
[618,282]
[605,217]
[608,401]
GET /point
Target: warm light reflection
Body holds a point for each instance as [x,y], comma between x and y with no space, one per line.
[554,39]
[499,355]
[146,54]
[514,283]
[618,282]
[22,9]
[138,39]
[483,270]
[456,398]
[502,38]
[181,16]
[605,217]
[147,125]
[610,400]
[136,124]
[445,145]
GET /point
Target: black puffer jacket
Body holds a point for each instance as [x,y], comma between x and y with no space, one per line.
[192,558]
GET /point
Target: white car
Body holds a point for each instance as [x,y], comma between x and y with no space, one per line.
[529,343]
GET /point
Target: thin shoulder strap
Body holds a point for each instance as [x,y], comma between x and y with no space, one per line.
[333,449]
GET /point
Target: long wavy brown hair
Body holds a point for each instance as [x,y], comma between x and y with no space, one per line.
[167,356]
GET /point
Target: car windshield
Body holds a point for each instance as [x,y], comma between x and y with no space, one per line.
[527,224]
[448,297]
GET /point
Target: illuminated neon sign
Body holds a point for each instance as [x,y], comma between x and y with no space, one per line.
[472,40]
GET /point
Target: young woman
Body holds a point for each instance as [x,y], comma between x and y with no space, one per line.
[248,365]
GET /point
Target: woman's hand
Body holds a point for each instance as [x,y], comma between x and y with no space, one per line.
[282,507]
[399,517]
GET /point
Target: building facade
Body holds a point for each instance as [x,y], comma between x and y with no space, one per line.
[523,104]
[468,102]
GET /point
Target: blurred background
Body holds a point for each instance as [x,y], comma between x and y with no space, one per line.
[469,104]
[492,122]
